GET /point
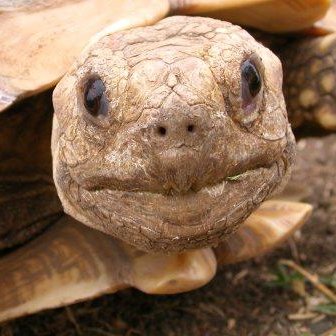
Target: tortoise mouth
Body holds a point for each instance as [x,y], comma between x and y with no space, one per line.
[175,197]
[159,223]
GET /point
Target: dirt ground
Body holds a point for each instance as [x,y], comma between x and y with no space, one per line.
[260,297]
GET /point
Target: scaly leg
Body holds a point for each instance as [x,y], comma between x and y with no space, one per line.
[70,262]
[310,80]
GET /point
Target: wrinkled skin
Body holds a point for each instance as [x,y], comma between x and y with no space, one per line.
[192,184]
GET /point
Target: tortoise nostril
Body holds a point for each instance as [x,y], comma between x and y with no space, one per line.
[162,131]
[190,128]
[176,130]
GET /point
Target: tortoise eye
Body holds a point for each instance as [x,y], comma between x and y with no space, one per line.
[251,82]
[95,101]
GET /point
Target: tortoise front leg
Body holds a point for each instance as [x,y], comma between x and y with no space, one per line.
[28,199]
[310,80]
[266,228]
[71,262]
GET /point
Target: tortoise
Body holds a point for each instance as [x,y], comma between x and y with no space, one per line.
[169,137]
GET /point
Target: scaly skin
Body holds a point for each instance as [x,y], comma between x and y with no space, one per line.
[173,191]
[310,80]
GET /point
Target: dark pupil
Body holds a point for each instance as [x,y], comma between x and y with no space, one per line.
[94,91]
[252,78]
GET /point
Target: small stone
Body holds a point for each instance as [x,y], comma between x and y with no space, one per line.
[231,324]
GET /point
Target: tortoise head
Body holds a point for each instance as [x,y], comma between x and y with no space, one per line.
[169,136]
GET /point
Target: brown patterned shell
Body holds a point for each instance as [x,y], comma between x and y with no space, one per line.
[267,15]
[50,34]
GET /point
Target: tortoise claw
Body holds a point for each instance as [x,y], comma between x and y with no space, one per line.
[161,274]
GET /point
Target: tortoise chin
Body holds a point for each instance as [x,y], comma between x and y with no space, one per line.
[170,142]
